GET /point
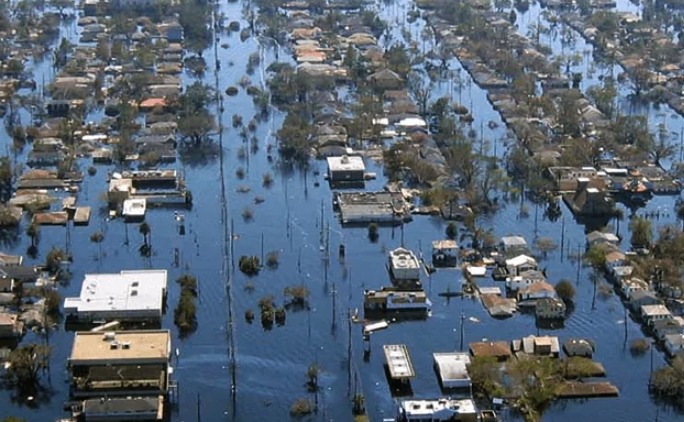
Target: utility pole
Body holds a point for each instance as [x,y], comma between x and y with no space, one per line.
[462,328]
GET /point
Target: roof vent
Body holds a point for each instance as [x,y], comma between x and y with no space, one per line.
[109,336]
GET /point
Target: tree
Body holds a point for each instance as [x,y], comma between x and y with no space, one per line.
[596,257]
[668,382]
[567,112]
[545,245]
[373,232]
[604,97]
[312,373]
[54,259]
[452,230]
[196,126]
[145,230]
[299,295]
[33,231]
[25,364]
[249,265]
[641,232]
[565,290]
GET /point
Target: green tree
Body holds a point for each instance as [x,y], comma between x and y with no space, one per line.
[452,230]
[545,245]
[145,230]
[668,382]
[33,231]
[642,234]
[196,126]
[565,290]
[54,259]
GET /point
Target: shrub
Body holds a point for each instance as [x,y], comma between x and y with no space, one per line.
[185,314]
[54,259]
[97,237]
[280,315]
[240,173]
[247,214]
[299,295]
[373,232]
[249,265]
[639,346]
[267,180]
[249,316]
[92,171]
[272,259]
[301,407]
[188,283]
[231,91]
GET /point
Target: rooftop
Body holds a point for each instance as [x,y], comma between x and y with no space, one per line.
[491,348]
[398,361]
[126,291]
[444,244]
[97,348]
[443,407]
[346,163]
[452,366]
[403,258]
[654,310]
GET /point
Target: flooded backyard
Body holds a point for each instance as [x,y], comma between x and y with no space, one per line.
[229,369]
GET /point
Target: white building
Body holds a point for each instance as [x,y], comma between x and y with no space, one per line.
[452,369]
[652,313]
[520,264]
[404,265]
[346,169]
[127,296]
[438,410]
[134,209]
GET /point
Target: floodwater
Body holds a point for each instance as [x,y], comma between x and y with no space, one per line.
[270,365]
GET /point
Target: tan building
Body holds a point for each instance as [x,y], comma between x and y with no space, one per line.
[127,363]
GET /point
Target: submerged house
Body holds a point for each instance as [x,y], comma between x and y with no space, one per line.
[589,201]
[404,268]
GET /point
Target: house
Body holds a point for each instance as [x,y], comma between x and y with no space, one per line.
[173,32]
[526,279]
[7,260]
[346,169]
[385,79]
[579,347]
[615,259]
[438,410]
[589,201]
[16,275]
[520,264]
[599,238]
[500,350]
[10,327]
[538,346]
[674,343]
[120,364]
[632,285]
[444,253]
[534,291]
[621,273]
[665,327]
[653,313]
[136,295]
[641,298]
[550,309]
[452,369]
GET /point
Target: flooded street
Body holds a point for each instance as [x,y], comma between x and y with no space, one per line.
[296,213]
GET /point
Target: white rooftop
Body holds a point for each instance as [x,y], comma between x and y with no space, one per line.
[440,409]
[654,310]
[346,163]
[134,207]
[403,258]
[452,366]
[127,291]
[398,361]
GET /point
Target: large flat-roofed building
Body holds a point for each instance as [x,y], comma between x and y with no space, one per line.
[127,296]
[125,363]
[404,268]
[346,169]
[452,369]
[438,410]
[119,409]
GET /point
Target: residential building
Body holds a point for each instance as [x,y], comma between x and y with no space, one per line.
[389,300]
[444,253]
[452,369]
[539,290]
[579,347]
[664,327]
[631,285]
[550,308]
[538,346]
[599,238]
[136,295]
[10,327]
[123,364]
[123,409]
[641,298]
[500,350]
[520,264]
[511,246]
[653,313]
[524,280]
[674,343]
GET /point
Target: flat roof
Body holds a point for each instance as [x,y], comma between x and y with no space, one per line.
[442,407]
[398,361]
[131,290]
[346,163]
[403,258]
[452,366]
[139,346]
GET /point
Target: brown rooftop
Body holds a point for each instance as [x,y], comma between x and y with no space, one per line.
[143,346]
[497,349]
